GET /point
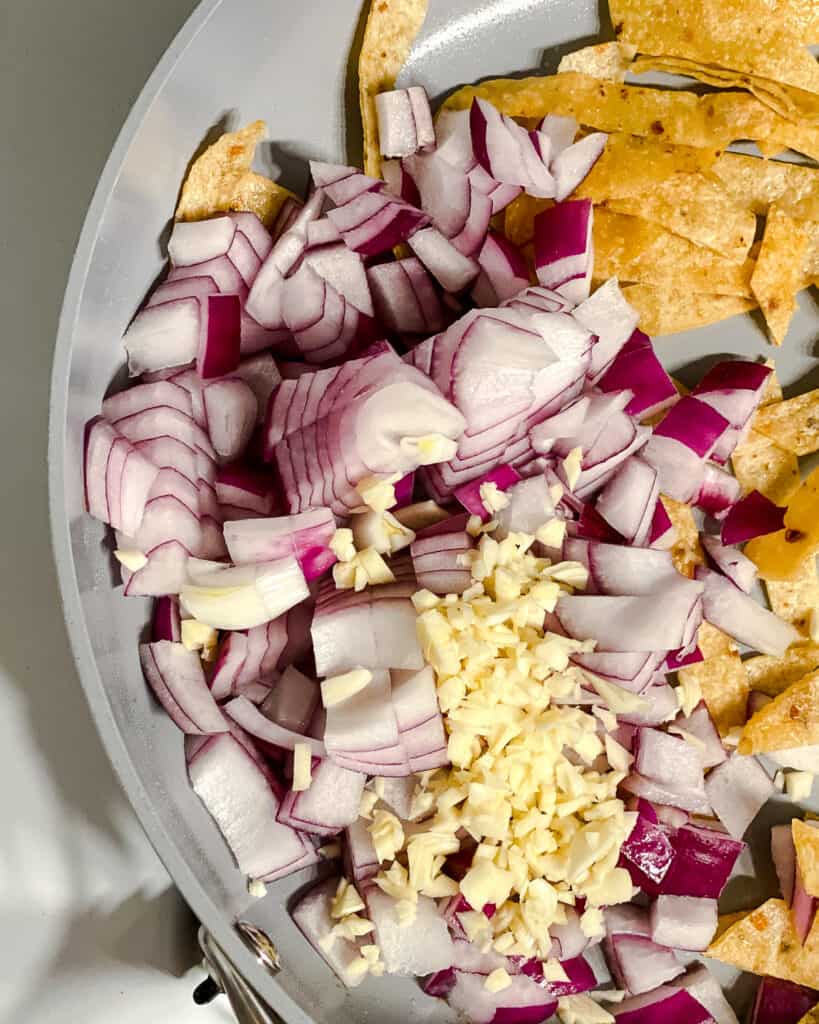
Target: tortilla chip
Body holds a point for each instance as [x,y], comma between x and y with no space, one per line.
[257,194]
[778,274]
[609,61]
[392,26]
[684,118]
[686,552]
[811,228]
[725,921]
[793,424]
[801,18]
[669,310]
[724,686]
[774,675]
[786,100]
[806,841]
[790,720]
[764,942]
[693,207]
[760,464]
[629,164]
[713,643]
[797,599]
[738,34]
[215,176]
[519,217]
[642,251]
[758,184]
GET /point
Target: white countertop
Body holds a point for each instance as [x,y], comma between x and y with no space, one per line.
[89,923]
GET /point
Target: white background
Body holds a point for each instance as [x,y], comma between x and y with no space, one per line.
[90,928]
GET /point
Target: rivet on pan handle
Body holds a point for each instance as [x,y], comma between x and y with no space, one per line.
[246,1005]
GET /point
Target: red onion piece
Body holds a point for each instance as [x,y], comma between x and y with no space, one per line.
[738,568]
[254,722]
[417,949]
[263,847]
[563,248]
[405,297]
[703,986]
[505,151]
[692,798]
[176,677]
[572,164]
[231,411]
[608,316]
[637,368]
[638,964]
[734,388]
[199,241]
[311,915]
[783,853]
[667,1004]
[647,852]
[165,623]
[668,760]
[803,907]
[684,922]
[694,424]
[751,516]
[719,491]
[629,500]
[700,725]
[741,617]
[118,496]
[503,271]
[781,1002]
[737,790]
[404,121]
[448,266]
[329,805]
[163,335]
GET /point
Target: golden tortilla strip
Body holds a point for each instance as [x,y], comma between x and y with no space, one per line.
[774,675]
[800,17]
[684,118]
[779,271]
[724,686]
[760,464]
[610,61]
[215,176]
[758,183]
[641,251]
[724,922]
[686,552]
[793,424]
[796,600]
[790,720]
[391,28]
[669,310]
[260,195]
[786,100]
[764,942]
[740,35]
[811,228]
[695,208]
[806,841]
[713,643]
[630,163]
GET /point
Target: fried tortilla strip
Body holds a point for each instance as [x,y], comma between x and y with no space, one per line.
[793,424]
[774,675]
[764,942]
[220,180]
[629,164]
[392,26]
[806,841]
[724,686]
[790,720]
[640,251]
[786,100]
[686,552]
[669,310]
[779,271]
[811,228]
[695,208]
[684,118]
[257,194]
[781,555]
[741,35]
[796,600]
[758,184]
[609,61]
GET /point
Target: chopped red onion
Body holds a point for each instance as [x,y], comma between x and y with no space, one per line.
[781,1002]
[738,789]
[329,805]
[783,853]
[563,248]
[684,922]
[404,121]
[741,617]
[752,516]
[738,568]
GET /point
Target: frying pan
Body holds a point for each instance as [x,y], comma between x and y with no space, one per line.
[289,63]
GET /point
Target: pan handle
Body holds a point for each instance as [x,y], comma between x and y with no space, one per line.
[224,977]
